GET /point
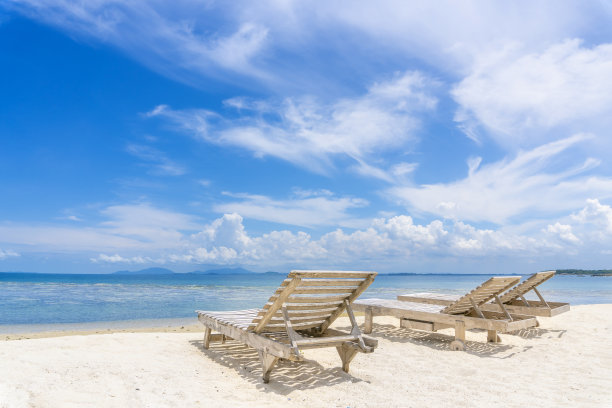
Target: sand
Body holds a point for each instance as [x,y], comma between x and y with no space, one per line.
[567,361]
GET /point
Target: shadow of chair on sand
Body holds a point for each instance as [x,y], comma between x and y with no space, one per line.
[535,332]
[441,341]
[287,375]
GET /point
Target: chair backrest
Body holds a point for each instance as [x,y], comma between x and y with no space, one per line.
[314,299]
[482,294]
[527,285]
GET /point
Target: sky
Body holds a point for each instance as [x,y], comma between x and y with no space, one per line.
[395,136]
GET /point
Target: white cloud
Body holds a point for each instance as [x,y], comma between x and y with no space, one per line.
[156,159]
[181,40]
[312,134]
[521,186]
[306,209]
[128,227]
[103,258]
[563,231]
[398,239]
[588,229]
[7,253]
[595,214]
[527,99]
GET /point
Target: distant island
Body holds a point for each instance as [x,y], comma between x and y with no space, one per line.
[164,271]
[148,271]
[590,272]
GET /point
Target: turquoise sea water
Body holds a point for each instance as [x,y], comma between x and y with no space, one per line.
[51,299]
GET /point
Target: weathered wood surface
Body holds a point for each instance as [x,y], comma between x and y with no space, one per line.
[267,362]
[255,340]
[492,337]
[443,299]
[432,314]
[347,353]
[482,294]
[416,324]
[297,316]
[516,304]
[527,285]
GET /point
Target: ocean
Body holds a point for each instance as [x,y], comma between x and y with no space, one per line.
[34,302]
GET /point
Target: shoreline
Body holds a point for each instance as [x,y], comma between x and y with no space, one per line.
[169,325]
[38,331]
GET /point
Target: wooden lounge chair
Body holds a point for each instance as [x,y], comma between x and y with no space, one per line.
[464,313]
[514,299]
[297,317]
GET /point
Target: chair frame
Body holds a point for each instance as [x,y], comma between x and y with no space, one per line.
[291,322]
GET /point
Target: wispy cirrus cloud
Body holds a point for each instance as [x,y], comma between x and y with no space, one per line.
[157,160]
[520,186]
[305,209]
[312,134]
[523,99]
[7,253]
[126,227]
[103,258]
[183,40]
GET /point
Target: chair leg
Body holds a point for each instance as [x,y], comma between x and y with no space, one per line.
[492,336]
[267,362]
[459,343]
[369,317]
[207,334]
[347,354]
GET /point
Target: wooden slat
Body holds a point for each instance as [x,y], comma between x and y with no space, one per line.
[326,282]
[330,274]
[276,304]
[332,286]
[331,282]
[362,287]
[304,313]
[312,299]
[296,320]
[481,294]
[325,340]
[527,285]
[282,328]
[254,340]
[311,306]
[313,290]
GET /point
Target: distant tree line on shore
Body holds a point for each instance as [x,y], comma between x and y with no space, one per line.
[592,272]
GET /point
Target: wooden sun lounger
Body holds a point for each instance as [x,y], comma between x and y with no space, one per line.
[297,317]
[514,299]
[462,314]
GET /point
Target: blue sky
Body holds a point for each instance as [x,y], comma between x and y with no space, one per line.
[396,136]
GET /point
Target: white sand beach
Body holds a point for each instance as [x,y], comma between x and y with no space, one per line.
[566,362]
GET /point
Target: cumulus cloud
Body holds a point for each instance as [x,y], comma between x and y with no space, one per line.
[7,253]
[595,214]
[312,134]
[563,231]
[398,238]
[526,99]
[520,186]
